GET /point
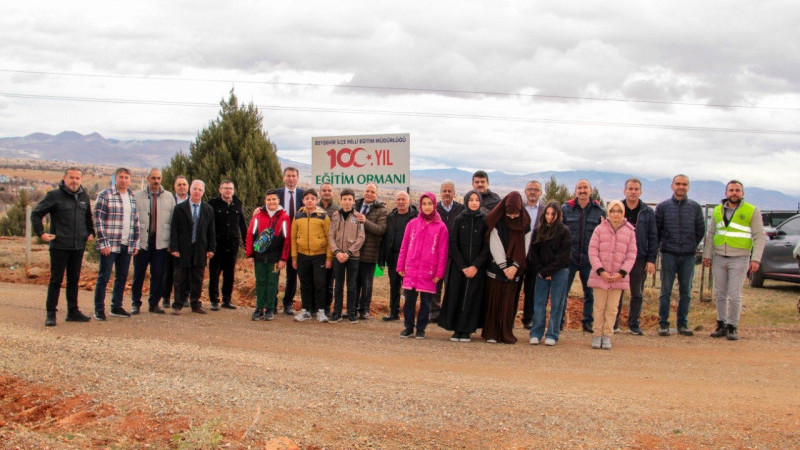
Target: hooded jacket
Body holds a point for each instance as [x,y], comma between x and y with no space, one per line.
[281,246]
[423,255]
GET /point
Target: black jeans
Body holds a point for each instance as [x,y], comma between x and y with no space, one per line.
[169,278]
[395,287]
[188,280]
[155,259]
[527,288]
[60,261]
[313,279]
[638,276]
[366,275]
[224,262]
[345,271]
[291,284]
[410,306]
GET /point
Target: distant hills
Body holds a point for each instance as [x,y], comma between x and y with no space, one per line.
[95,149]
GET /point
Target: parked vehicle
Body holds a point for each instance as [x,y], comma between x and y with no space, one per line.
[778,263]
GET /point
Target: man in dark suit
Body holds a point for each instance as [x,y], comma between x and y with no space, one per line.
[192,242]
[535,208]
[291,198]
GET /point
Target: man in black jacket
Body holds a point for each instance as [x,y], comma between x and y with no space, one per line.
[230,229]
[192,243]
[396,223]
[448,210]
[71,225]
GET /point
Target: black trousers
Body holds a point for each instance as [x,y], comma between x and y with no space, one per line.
[223,262]
[345,274]
[313,279]
[188,280]
[61,261]
[366,276]
[291,284]
[527,288]
[395,286]
[169,278]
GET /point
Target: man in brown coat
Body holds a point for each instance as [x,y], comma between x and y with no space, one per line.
[372,213]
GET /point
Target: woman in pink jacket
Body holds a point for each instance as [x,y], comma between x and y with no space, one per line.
[612,252]
[422,263]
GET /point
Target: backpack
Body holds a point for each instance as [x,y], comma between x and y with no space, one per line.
[262,242]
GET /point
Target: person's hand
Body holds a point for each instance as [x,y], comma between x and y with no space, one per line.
[470,271]
[549,278]
[342,257]
[135,251]
[606,276]
[706,262]
[436,279]
[47,237]
[402,274]
[105,251]
[257,211]
[616,277]
[510,272]
[328,264]
[361,218]
[281,264]
[650,268]
[294,265]
[176,254]
[209,255]
[754,265]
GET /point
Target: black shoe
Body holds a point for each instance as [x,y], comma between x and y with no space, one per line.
[100,315]
[120,312]
[390,318]
[527,325]
[363,315]
[406,333]
[721,330]
[420,334]
[637,331]
[134,310]
[335,318]
[663,331]
[199,310]
[215,306]
[352,318]
[258,314]
[733,333]
[685,331]
[76,316]
[587,328]
[269,315]
[165,304]
[228,305]
[50,320]
[455,337]
[288,311]
[156,310]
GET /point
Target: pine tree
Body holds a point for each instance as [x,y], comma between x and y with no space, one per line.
[13,224]
[232,147]
[596,196]
[554,191]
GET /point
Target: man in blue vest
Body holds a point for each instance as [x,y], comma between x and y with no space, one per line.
[736,240]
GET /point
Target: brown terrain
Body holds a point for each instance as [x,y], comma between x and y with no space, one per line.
[191,381]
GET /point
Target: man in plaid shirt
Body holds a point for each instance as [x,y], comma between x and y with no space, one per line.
[116,224]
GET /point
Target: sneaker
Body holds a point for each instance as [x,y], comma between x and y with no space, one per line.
[550,341]
[663,331]
[302,316]
[156,310]
[637,331]
[119,312]
[336,317]
[258,314]
[321,317]
[390,318]
[269,315]
[165,304]
[77,316]
[199,310]
[606,343]
[176,311]
[420,334]
[288,311]
[721,331]
[215,306]
[685,331]
[587,328]
[228,305]
[100,315]
[492,341]
[363,315]
[455,337]
[465,338]
[733,333]
[617,330]
[597,341]
[50,320]
[134,310]
[406,333]
[534,341]
[352,318]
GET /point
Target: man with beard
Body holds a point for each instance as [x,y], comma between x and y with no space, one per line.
[480,184]
[230,229]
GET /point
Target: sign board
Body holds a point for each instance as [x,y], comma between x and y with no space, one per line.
[354,161]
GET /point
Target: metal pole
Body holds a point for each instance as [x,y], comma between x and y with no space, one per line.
[28,228]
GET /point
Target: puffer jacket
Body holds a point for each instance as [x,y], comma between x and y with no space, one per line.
[680,226]
[346,235]
[423,255]
[310,233]
[613,252]
[374,228]
[71,219]
[581,223]
[281,245]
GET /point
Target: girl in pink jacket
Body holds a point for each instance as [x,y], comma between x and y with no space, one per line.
[422,262]
[612,252]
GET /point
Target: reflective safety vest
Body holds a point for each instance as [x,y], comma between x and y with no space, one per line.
[737,233]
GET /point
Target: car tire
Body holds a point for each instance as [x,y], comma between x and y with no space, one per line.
[757,279]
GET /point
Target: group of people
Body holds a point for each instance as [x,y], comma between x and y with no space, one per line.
[467,263]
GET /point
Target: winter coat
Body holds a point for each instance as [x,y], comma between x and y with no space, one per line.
[680,226]
[390,244]
[346,235]
[165,206]
[423,255]
[449,217]
[309,234]
[281,246]
[229,224]
[581,223]
[548,257]
[374,229]
[646,233]
[70,218]
[613,252]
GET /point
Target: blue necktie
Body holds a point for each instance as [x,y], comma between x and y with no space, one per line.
[195,216]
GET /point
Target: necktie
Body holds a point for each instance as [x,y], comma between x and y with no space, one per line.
[195,217]
[365,209]
[291,205]
[153,213]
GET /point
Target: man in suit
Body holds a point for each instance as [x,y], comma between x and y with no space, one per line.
[180,195]
[535,208]
[291,198]
[192,242]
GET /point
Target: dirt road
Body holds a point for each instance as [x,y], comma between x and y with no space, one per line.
[153,378]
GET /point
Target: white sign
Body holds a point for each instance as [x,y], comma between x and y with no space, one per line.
[353,161]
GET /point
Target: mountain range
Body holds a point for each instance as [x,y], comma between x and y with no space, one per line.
[95,149]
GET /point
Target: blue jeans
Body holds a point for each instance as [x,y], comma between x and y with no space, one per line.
[683,267]
[119,262]
[588,293]
[557,290]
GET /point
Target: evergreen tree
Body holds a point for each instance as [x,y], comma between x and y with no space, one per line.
[13,224]
[555,191]
[596,196]
[232,147]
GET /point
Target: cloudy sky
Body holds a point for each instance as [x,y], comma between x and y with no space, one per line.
[652,88]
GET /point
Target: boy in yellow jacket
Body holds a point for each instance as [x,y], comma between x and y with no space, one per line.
[311,255]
